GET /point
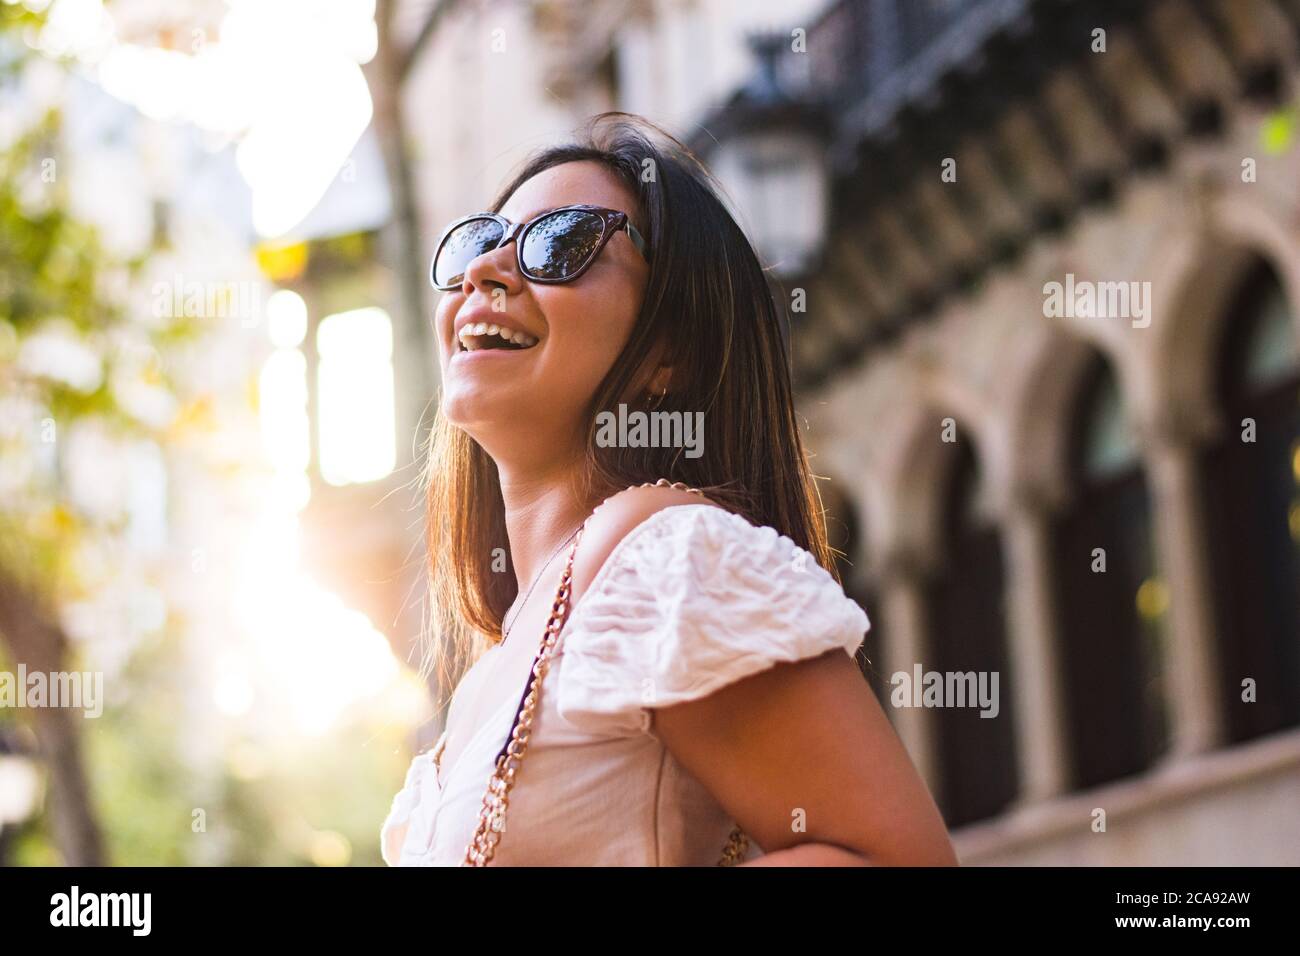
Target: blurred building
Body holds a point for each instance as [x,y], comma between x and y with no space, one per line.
[1043,269]
[1094,498]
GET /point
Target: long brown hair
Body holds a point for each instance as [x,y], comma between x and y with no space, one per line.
[708,301]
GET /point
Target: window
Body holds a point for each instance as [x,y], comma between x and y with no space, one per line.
[1252,497]
[283,401]
[356,401]
[967,633]
[1110,600]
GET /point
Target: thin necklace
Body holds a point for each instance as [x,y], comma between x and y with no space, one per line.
[536,577]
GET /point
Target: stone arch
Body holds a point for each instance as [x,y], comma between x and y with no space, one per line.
[1204,269]
[1041,407]
[914,487]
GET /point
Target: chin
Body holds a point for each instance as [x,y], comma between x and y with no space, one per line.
[468,407]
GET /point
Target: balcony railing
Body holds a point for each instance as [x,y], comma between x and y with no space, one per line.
[871,56]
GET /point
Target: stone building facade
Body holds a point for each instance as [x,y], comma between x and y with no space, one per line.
[1098,503]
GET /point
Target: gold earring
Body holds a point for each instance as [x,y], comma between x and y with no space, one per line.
[661,397]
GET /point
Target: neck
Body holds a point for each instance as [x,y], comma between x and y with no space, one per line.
[540,512]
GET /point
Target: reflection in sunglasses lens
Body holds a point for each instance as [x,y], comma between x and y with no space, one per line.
[557,246]
[462,247]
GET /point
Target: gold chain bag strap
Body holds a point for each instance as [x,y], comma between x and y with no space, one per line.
[492,815]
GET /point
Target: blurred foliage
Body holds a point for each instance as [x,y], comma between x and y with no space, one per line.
[259,807]
[282,262]
[59,282]
[1277,132]
[57,278]
[159,797]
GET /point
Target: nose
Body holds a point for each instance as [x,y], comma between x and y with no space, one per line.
[497,269]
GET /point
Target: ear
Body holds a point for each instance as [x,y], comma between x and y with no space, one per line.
[661,380]
[658,374]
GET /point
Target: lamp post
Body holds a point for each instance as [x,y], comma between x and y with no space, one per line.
[768,151]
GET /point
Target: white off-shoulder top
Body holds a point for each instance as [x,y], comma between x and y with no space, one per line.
[690,600]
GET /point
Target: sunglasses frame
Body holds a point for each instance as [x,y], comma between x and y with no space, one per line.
[612,221]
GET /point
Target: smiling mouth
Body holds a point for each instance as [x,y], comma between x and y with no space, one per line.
[483,336]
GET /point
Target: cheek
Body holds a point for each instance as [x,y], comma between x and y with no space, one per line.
[442,320]
[589,328]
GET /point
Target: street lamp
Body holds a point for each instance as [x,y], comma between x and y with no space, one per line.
[768,151]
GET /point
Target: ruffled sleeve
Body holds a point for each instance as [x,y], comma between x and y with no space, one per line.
[692,599]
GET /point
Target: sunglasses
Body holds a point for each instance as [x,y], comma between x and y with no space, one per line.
[557,246]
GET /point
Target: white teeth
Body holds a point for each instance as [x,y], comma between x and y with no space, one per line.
[476,330]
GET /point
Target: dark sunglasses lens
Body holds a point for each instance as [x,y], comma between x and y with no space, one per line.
[557,246]
[465,244]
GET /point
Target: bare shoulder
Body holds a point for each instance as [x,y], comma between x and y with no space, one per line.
[615,520]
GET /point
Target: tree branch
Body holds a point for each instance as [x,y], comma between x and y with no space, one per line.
[436,14]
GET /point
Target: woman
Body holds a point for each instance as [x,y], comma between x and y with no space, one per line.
[619,497]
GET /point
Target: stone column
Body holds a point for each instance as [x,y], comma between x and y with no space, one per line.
[1033,645]
[1192,667]
[902,597]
